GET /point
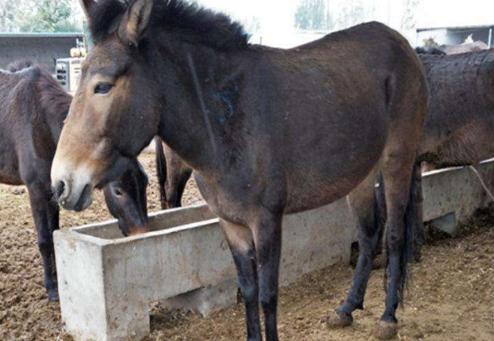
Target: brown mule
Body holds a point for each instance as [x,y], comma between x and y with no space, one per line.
[268,132]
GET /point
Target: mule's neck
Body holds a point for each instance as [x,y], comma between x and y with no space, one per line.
[201,91]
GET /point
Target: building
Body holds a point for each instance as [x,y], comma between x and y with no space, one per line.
[41,48]
[456,35]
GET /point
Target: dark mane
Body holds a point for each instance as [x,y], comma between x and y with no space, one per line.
[19,65]
[195,24]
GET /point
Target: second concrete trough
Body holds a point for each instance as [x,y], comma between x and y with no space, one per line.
[107,282]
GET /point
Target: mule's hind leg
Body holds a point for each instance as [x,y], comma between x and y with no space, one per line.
[364,206]
[46,219]
[242,247]
[397,175]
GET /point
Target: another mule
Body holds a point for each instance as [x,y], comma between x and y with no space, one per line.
[33,108]
[267,131]
[459,125]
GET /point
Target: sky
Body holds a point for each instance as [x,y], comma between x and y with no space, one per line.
[276,16]
[429,13]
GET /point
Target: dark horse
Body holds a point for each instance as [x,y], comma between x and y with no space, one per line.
[267,131]
[459,125]
[33,108]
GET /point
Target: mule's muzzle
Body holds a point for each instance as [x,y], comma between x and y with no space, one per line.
[136,230]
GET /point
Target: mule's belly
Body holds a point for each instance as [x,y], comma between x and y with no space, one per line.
[9,170]
[9,173]
[309,192]
[333,157]
[9,180]
[468,144]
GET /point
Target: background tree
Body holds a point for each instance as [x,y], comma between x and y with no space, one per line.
[408,21]
[40,16]
[51,16]
[313,15]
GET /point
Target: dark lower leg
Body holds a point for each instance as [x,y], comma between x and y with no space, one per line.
[355,298]
[247,280]
[267,238]
[241,245]
[396,265]
[45,215]
[364,204]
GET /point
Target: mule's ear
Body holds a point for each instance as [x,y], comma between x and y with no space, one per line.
[135,21]
[87,5]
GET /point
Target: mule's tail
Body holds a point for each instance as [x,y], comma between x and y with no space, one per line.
[412,233]
[380,212]
[161,170]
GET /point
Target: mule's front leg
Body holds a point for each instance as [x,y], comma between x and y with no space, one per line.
[267,239]
[242,247]
[46,219]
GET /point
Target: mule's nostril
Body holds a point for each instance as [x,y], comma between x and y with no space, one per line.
[59,189]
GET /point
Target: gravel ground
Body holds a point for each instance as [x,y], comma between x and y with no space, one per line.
[450,296]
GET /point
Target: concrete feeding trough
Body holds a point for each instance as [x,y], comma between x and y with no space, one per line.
[107,282]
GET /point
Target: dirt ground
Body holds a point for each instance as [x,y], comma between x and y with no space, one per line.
[450,296]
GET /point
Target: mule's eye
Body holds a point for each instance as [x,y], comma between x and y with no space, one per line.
[103,88]
[118,192]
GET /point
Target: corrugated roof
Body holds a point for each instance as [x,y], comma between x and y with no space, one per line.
[472,27]
[42,35]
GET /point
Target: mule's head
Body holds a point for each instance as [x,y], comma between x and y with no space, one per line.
[113,115]
[126,200]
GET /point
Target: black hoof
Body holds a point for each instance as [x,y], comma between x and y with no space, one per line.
[53,295]
[338,319]
[385,330]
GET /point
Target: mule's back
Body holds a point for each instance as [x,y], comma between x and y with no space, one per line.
[359,82]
